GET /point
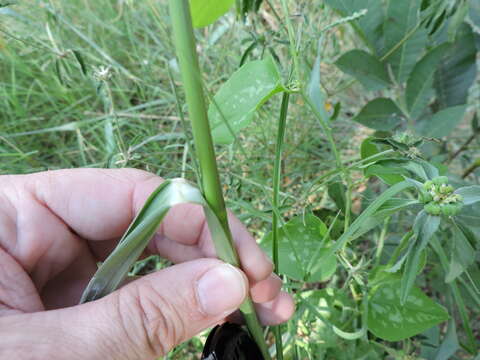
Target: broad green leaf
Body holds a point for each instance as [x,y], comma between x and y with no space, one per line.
[403,37]
[368,148]
[463,255]
[419,90]
[369,27]
[132,244]
[380,114]
[205,12]
[442,123]
[457,71]
[389,175]
[424,227]
[237,100]
[367,69]
[471,194]
[391,320]
[300,239]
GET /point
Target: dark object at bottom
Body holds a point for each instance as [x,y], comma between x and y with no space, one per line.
[230,342]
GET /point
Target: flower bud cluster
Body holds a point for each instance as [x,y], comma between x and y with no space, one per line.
[439,199]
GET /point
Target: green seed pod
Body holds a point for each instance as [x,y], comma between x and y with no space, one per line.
[428,185]
[432,209]
[449,209]
[439,180]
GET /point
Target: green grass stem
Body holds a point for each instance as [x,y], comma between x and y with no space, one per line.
[184,40]
[277,175]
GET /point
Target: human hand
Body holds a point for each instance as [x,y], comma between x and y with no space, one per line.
[54,228]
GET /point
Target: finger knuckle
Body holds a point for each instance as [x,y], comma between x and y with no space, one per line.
[151,321]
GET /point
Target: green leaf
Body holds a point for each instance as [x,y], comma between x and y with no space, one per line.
[368,148]
[450,344]
[471,194]
[391,320]
[132,244]
[300,239]
[389,175]
[315,92]
[367,69]
[463,255]
[458,70]
[424,227]
[380,114]
[368,26]
[81,62]
[420,83]
[237,100]
[390,207]
[337,191]
[403,35]
[205,12]
[442,123]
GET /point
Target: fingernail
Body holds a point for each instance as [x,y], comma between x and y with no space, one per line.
[221,290]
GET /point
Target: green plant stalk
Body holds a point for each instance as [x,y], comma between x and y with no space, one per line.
[186,52]
[277,174]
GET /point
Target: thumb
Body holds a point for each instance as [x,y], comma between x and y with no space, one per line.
[142,320]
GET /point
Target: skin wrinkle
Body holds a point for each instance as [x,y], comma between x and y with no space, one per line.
[106,213]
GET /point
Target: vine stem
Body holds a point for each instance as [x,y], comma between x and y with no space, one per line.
[185,46]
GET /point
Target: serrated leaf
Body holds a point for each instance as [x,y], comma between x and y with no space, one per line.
[380,114]
[132,244]
[403,34]
[205,12]
[419,90]
[238,99]
[442,123]
[391,320]
[367,69]
[300,239]
[457,71]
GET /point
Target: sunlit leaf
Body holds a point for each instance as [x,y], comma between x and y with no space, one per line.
[205,12]
[391,320]
[300,239]
[237,100]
